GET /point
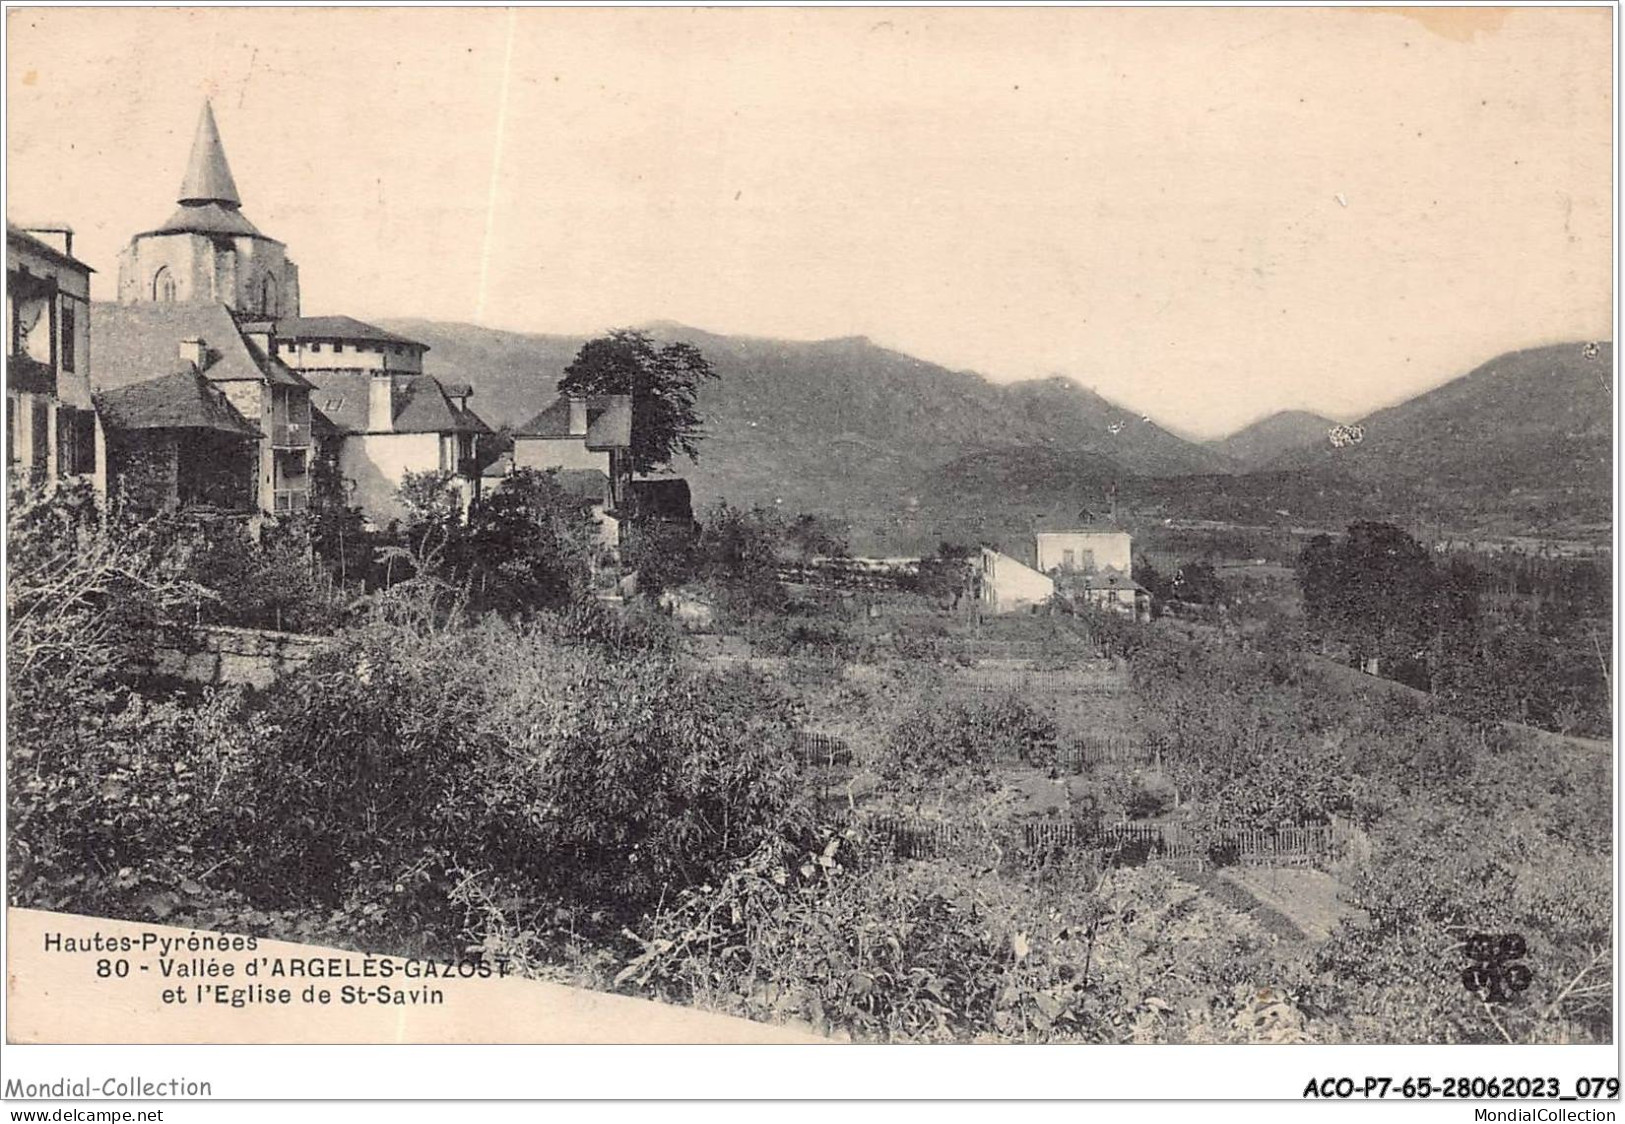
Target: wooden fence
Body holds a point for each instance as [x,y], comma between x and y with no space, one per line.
[846,574]
[813,749]
[1103,749]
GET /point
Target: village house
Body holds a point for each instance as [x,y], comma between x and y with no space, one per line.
[1109,589]
[1005,585]
[381,417]
[1091,564]
[586,442]
[208,293]
[194,297]
[234,439]
[51,427]
[1066,545]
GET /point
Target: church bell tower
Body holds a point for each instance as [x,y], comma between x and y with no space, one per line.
[208,250]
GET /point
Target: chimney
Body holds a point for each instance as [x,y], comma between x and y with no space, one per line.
[58,236]
[260,334]
[578,417]
[194,351]
[381,403]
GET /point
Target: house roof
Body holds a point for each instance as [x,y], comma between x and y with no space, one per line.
[469,418]
[1107,579]
[1084,521]
[498,468]
[421,405]
[343,328]
[207,218]
[25,240]
[180,400]
[609,421]
[551,422]
[135,342]
[208,176]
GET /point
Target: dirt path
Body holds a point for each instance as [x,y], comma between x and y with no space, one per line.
[1293,903]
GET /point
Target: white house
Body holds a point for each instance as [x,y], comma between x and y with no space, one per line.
[1084,549]
[1006,585]
[587,442]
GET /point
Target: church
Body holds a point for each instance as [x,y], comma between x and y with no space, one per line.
[218,394]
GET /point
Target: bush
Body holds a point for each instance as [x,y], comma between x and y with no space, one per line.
[119,814]
[273,581]
[935,952]
[89,594]
[528,545]
[1147,797]
[939,748]
[406,762]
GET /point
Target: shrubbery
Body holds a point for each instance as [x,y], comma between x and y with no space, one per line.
[419,760]
[946,747]
[537,784]
[938,952]
[568,755]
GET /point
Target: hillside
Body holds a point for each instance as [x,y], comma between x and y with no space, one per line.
[1524,440]
[1258,444]
[840,425]
[911,452]
[995,496]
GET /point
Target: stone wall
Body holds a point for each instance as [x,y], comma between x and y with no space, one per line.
[249,656]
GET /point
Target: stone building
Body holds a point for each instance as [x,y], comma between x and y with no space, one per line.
[381,416]
[208,250]
[262,436]
[198,296]
[51,427]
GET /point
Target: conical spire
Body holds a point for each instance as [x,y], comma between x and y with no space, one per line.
[208,176]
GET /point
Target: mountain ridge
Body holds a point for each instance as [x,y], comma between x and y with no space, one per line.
[858,430]
[1260,442]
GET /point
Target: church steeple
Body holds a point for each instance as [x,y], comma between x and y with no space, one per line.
[208,250]
[208,176]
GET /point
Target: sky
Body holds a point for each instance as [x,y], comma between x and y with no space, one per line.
[1205,215]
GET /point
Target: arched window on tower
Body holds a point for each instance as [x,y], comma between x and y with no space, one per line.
[163,284]
[268,296]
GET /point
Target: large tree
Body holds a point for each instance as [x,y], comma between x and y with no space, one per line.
[1375,590]
[662,381]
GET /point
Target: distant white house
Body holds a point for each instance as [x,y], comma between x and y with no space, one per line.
[586,442]
[1092,564]
[1084,549]
[1007,585]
